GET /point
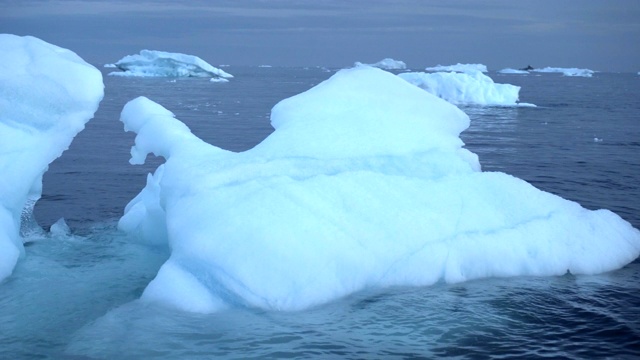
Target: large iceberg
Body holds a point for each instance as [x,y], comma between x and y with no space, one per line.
[470,88]
[364,183]
[47,94]
[566,71]
[471,68]
[161,63]
[386,64]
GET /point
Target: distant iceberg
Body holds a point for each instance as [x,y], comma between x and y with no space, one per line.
[464,68]
[513,71]
[566,71]
[363,184]
[386,64]
[47,94]
[166,64]
[471,88]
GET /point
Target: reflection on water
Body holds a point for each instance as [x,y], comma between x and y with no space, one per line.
[487,117]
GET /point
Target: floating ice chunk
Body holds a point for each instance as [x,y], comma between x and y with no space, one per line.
[513,71]
[47,94]
[363,183]
[472,88]
[472,68]
[386,64]
[566,71]
[60,228]
[163,64]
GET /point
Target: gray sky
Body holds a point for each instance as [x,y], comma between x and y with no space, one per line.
[602,35]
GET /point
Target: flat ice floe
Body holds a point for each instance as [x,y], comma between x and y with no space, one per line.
[472,68]
[47,94]
[166,64]
[386,64]
[566,71]
[364,183]
[465,88]
[513,71]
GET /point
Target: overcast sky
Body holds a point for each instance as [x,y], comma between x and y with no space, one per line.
[602,35]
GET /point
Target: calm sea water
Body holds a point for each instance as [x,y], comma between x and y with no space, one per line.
[74,297]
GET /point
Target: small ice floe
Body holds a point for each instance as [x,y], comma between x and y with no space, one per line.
[466,88]
[60,228]
[152,63]
[386,64]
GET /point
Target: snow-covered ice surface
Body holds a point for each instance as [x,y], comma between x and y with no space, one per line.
[387,64]
[47,94]
[459,68]
[363,184]
[470,88]
[166,64]
[566,71]
[513,71]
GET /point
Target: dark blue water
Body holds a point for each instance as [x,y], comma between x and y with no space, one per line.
[75,296]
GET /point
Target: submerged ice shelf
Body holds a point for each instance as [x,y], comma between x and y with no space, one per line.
[364,183]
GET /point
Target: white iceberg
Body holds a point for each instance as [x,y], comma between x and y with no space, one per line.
[166,64]
[566,71]
[513,71]
[386,64]
[471,88]
[47,94]
[364,183]
[464,68]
